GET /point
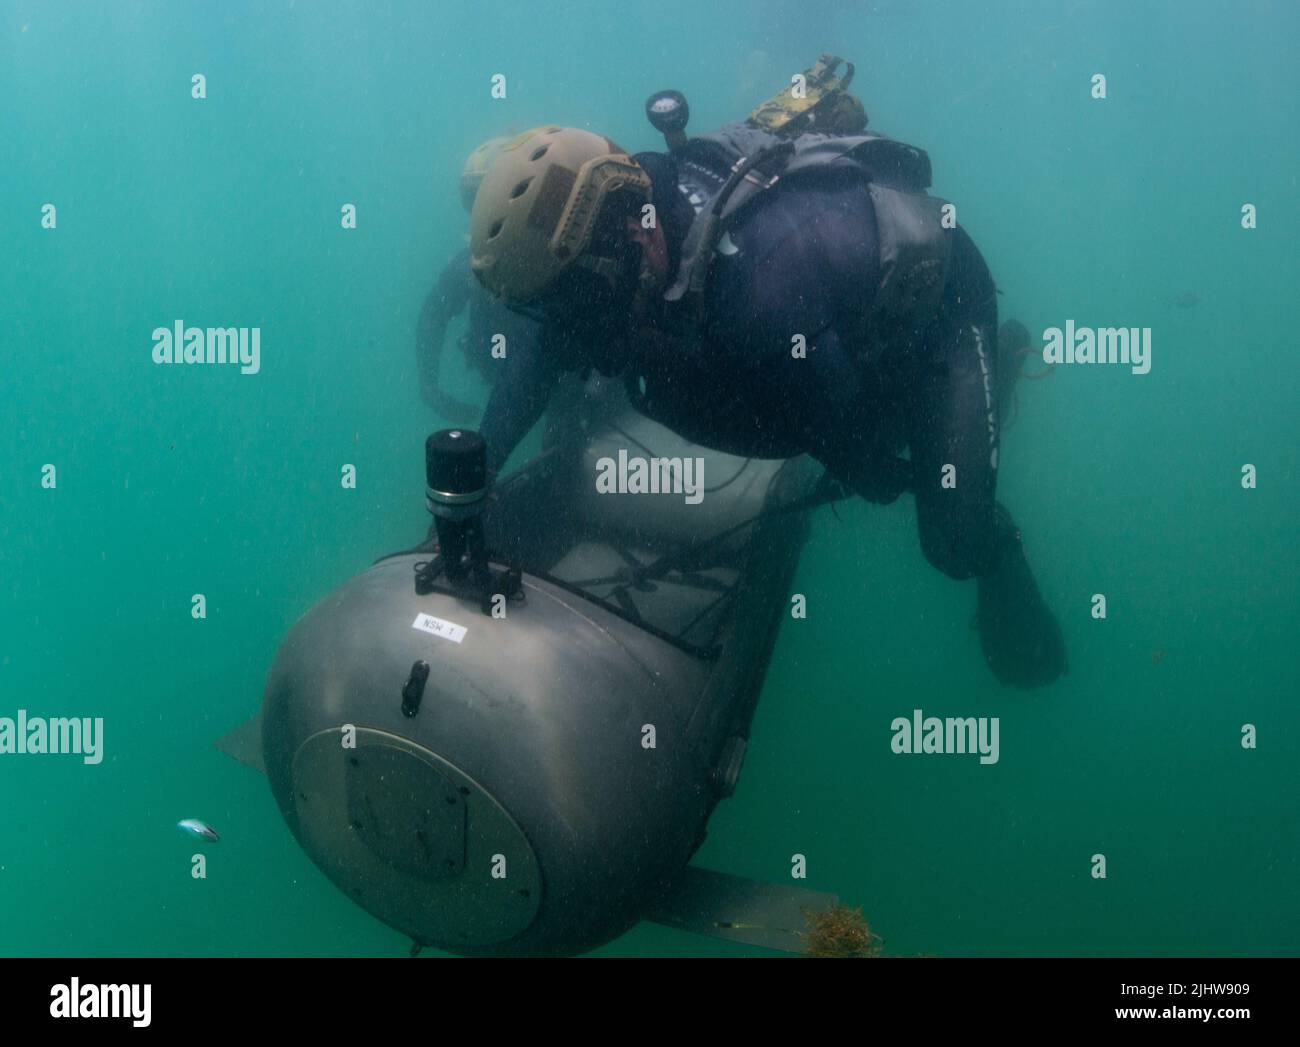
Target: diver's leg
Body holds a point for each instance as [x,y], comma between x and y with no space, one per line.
[964,532]
[953,434]
[1019,635]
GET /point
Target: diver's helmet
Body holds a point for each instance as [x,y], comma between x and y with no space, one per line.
[551,204]
[476,166]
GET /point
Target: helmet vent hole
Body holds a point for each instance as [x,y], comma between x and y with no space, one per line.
[520,189]
[539,153]
[496,229]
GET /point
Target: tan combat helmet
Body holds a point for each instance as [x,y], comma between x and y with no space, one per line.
[476,166]
[538,206]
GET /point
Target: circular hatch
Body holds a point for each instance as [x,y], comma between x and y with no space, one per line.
[414,840]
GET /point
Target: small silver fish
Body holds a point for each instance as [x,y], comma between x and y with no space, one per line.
[198,830]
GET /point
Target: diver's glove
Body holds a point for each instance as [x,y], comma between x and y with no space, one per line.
[1021,639]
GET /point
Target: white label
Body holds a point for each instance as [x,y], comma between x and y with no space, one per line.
[447,630]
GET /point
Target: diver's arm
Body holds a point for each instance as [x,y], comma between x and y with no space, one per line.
[445,300]
[518,399]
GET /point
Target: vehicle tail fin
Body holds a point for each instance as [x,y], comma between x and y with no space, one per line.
[724,906]
[244,743]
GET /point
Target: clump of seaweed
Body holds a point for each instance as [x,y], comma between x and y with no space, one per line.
[839,931]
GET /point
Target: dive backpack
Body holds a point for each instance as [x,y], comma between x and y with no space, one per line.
[741,163]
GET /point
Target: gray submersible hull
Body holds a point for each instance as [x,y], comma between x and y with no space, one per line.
[544,786]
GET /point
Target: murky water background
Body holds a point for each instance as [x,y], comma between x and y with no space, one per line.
[175,481]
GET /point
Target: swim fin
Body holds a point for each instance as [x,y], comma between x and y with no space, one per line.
[1021,639]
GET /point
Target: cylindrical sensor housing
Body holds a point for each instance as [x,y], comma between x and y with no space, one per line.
[456,474]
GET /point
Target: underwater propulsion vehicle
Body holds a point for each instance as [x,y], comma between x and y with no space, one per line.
[509,739]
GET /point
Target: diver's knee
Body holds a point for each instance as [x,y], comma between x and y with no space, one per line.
[949,553]
[965,545]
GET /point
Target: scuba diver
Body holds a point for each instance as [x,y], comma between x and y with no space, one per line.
[455,290]
[770,291]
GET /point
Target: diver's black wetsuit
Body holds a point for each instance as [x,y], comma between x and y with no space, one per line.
[805,261]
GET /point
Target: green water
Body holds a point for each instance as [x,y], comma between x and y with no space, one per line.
[176,481]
